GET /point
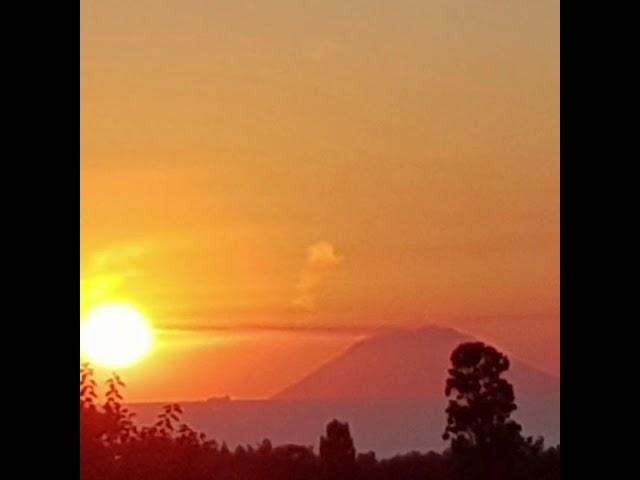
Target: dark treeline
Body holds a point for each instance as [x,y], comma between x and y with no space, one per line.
[484,442]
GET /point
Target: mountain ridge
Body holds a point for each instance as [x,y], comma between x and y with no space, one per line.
[402,363]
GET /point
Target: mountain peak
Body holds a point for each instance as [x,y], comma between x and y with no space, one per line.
[401,363]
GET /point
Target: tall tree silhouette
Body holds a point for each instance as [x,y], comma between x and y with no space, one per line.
[484,439]
[337,452]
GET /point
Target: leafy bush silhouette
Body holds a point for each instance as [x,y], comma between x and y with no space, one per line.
[337,452]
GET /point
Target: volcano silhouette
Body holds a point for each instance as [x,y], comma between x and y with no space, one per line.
[403,364]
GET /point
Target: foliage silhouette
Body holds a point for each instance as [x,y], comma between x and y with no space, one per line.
[114,447]
[485,441]
[337,452]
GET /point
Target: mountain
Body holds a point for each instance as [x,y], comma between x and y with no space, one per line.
[407,364]
[389,387]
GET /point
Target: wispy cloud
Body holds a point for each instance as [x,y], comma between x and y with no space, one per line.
[116,258]
[321,258]
[106,271]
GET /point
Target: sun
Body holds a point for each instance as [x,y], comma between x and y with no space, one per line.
[115,336]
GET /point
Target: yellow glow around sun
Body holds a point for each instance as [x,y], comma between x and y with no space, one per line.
[115,336]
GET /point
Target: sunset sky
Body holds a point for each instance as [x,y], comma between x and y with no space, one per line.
[270,180]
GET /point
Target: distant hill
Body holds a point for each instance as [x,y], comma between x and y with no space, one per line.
[390,388]
[402,364]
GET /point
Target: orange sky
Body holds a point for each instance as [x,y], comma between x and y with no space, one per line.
[320,164]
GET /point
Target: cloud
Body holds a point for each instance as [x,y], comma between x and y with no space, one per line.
[321,258]
[116,258]
[106,272]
